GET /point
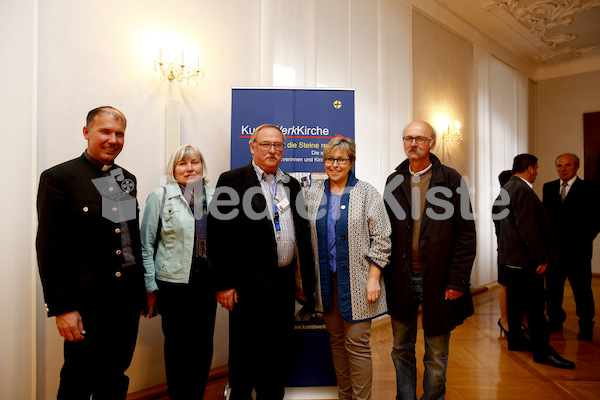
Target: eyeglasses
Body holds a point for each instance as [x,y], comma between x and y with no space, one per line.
[419,139]
[340,161]
[266,145]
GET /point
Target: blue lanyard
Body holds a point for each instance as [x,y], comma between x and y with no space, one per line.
[275,211]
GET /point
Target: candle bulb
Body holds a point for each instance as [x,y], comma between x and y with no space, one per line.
[160,55]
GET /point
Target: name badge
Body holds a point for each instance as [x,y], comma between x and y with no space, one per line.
[283,204]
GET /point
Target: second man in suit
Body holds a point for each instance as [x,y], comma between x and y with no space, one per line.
[571,205]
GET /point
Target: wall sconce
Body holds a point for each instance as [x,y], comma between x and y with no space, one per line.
[452,133]
[178,70]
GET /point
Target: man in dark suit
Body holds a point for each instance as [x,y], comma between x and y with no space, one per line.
[89,258]
[572,206]
[258,236]
[524,251]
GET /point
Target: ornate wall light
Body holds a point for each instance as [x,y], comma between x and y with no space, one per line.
[178,70]
[452,133]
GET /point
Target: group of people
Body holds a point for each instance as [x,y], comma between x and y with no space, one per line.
[540,245]
[255,245]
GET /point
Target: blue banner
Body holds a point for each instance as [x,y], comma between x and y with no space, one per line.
[308,118]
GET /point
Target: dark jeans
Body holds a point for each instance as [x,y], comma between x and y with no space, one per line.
[96,365]
[188,321]
[579,273]
[403,352]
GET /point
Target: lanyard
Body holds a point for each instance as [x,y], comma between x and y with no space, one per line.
[273,190]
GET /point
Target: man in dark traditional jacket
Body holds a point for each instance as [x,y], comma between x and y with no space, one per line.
[89,257]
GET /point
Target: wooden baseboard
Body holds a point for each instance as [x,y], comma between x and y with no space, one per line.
[159,391]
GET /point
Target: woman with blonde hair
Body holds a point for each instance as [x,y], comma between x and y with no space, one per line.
[177,272]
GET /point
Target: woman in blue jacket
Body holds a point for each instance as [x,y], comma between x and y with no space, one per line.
[177,272]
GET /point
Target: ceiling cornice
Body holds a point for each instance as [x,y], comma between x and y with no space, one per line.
[540,17]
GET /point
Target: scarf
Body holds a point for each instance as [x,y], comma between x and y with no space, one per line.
[196,195]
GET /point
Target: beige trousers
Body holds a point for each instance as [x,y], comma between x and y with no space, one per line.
[351,352]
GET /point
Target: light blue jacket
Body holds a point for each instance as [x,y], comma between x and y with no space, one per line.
[175,249]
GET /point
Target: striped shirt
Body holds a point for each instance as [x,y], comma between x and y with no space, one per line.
[274,194]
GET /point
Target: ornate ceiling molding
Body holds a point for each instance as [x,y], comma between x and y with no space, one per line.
[565,54]
[539,16]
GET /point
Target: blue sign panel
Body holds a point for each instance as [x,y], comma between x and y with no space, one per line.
[309,118]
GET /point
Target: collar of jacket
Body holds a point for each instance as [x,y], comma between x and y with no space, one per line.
[96,165]
[437,175]
[250,173]
[435,164]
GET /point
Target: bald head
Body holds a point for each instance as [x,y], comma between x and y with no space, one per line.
[420,125]
[419,139]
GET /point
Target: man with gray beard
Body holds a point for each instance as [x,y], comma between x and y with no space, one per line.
[433,250]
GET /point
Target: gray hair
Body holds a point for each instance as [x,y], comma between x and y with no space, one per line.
[184,152]
[255,133]
[575,158]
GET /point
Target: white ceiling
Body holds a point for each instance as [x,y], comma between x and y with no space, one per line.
[557,35]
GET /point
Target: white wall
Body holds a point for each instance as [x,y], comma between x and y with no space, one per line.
[93,54]
[18,45]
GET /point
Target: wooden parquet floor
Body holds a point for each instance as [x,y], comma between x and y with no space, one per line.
[480,365]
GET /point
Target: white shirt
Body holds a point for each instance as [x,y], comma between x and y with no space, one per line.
[568,187]
[527,182]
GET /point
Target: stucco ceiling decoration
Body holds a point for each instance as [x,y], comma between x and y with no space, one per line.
[552,23]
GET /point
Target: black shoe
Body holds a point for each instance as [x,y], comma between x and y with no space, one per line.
[502,330]
[554,360]
[585,334]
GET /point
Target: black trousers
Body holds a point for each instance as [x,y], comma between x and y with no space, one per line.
[188,321]
[579,273]
[96,365]
[260,328]
[525,296]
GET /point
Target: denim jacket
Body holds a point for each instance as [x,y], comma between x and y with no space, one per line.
[173,259]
